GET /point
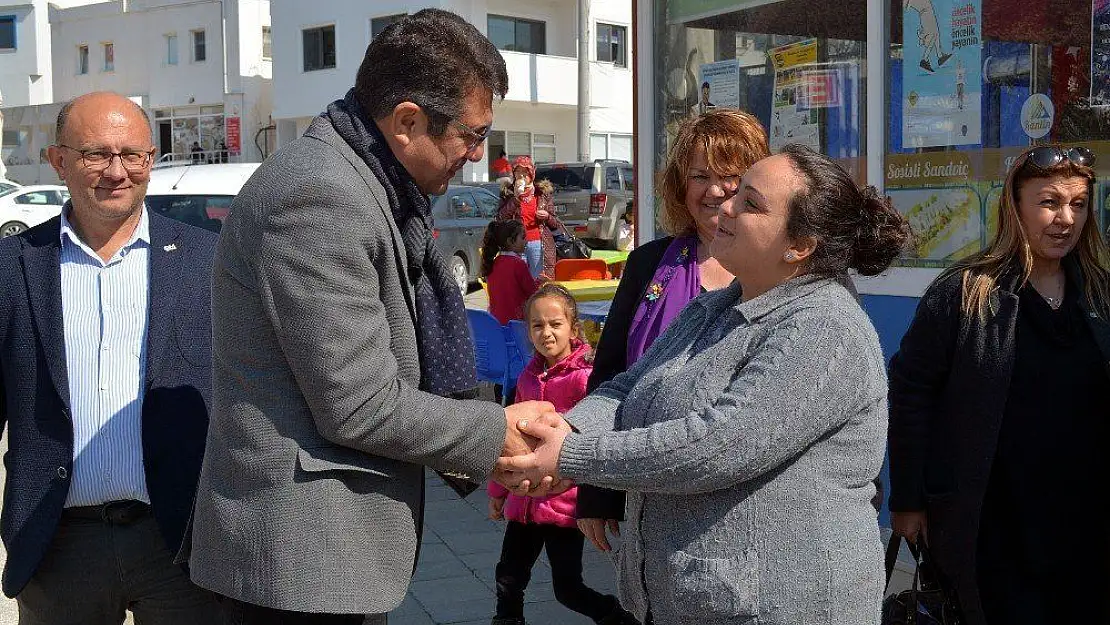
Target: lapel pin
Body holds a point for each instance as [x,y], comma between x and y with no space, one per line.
[171,247]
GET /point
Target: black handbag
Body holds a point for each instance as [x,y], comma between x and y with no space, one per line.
[567,245]
[925,603]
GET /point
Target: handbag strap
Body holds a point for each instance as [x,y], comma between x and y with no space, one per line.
[892,547]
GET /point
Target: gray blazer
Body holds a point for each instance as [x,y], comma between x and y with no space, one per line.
[311,491]
[747,437]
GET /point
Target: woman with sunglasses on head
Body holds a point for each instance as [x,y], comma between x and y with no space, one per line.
[999,400]
[530,203]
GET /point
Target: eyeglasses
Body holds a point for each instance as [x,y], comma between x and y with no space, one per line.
[100,160]
[476,136]
[1047,157]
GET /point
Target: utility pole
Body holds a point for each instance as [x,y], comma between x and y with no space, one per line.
[584,40]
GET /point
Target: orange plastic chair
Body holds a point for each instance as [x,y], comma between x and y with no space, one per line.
[581,269]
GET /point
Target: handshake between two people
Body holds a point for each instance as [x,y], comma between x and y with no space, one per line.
[529,462]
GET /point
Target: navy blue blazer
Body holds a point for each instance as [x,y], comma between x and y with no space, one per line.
[34,388]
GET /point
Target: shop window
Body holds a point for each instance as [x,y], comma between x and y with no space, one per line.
[82,60]
[7,32]
[200,46]
[517,34]
[612,44]
[171,49]
[378,24]
[109,57]
[267,44]
[319,48]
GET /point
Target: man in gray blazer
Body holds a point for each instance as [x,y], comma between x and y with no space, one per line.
[342,361]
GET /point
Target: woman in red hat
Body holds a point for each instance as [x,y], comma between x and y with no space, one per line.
[529,202]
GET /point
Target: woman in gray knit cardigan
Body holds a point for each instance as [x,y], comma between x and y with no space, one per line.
[748,436]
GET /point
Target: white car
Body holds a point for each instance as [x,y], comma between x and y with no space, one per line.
[199,195]
[7,186]
[29,206]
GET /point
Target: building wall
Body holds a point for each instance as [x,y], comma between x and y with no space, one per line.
[542,88]
[25,71]
[139,39]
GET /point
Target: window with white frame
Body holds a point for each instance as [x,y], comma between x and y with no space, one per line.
[109,57]
[200,46]
[543,147]
[7,32]
[319,48]
[378,24]
[171,49]
[612,146]
[612,44]
[82,60]
[267,44]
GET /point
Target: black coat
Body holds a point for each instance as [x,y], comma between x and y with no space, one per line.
[34,391]
[949,383]
[610,358]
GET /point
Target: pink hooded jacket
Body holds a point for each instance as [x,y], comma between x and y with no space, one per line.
[563,385]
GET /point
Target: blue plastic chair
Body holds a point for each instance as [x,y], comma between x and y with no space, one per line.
[520,347]
[491,349]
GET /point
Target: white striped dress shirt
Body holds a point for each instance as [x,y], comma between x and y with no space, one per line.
[104,308]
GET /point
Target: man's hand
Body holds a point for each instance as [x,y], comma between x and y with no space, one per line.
[516,444]
[496,508]
[594,529]
[910,525]
[536,473]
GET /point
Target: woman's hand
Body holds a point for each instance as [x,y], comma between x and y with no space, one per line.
[536,473]
[910,525]
[594,529]
[496,508]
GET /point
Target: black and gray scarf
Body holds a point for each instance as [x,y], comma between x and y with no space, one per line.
[443,336]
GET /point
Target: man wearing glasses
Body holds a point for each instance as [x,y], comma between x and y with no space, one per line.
[105,378]
[343,363]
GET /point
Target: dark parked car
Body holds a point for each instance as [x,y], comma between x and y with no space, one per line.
[590,198]
[460,217]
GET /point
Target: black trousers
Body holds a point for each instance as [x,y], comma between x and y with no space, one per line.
[519,552]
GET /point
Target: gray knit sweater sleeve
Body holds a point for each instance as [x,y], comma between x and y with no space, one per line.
[790,392]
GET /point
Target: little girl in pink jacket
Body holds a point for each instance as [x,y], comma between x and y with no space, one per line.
[557,374]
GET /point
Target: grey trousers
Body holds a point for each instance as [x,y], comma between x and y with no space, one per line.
[94,571]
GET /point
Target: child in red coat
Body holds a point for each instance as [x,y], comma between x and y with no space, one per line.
[558,374]
[509,283]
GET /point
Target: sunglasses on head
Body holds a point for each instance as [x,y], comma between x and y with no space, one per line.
[1047,157]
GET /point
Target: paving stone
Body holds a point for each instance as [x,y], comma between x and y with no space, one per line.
[553,613]
[447,590]
[473,542]
[461,610]
[442,569]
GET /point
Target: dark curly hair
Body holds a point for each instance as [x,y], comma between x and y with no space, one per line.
[854,228]
[432,58]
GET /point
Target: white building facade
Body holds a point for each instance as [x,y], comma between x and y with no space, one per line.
[24,64]
[319,47]
[200,68]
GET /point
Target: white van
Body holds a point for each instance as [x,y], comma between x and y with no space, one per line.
[199,195]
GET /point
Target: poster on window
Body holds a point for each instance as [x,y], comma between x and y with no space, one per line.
[942,72]
[1100,53]
[720,85]
[791,120]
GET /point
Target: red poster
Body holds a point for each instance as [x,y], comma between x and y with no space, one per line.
[234,136]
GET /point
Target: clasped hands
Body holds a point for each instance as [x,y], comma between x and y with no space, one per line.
[529,462]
